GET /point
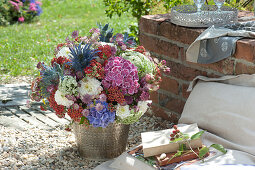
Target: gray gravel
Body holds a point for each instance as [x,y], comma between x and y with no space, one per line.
[43,149]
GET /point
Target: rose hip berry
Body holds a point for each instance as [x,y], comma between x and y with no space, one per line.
[175,133]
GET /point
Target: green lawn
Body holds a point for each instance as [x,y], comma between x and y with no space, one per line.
[23,45]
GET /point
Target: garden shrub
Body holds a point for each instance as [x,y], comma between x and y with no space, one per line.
[12,11]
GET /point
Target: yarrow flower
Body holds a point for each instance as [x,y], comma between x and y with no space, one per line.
[75,113]
[59,109]
[121,73]
[61,60]
[100,115]
[95,69]
[114,94]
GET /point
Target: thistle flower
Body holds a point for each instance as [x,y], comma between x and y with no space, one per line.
[105,33]
[81,56]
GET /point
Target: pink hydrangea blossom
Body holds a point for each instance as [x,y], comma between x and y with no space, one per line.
[38,3]
[32,7]
[121,73]
[15,5]
[21,19]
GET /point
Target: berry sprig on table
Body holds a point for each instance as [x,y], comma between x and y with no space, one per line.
[175,134]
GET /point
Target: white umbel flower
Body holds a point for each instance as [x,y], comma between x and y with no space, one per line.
[143,106]
[68,85]
[89,86]
[122,111]
[62,100]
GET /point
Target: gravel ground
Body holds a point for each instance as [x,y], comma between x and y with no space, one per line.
[56,149]
[16,80]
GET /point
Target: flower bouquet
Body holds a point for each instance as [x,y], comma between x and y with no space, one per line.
[98,80]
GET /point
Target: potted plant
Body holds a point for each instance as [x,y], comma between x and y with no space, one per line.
[103,82]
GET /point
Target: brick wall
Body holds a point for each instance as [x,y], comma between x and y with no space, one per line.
[168,41]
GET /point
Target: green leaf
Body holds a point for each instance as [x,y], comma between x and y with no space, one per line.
[219,148]
[179,153]
[176,140]
[186,136]
[182,147]
[203,152]
[197,135]
[82,120]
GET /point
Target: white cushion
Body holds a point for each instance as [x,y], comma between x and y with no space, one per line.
[226,111]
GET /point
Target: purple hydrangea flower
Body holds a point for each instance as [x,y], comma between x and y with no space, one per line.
[121,73]
[100,117]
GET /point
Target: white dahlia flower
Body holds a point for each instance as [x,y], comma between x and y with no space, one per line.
[122,111]
[143,106]
[64,52]
[62,100]
[89,86]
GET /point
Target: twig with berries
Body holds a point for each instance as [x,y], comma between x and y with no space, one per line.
[177,135]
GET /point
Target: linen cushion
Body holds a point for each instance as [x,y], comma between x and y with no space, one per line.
[226,111]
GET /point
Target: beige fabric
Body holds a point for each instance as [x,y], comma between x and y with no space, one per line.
[227,112]
[239,80]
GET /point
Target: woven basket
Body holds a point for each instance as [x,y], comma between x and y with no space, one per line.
[101,143]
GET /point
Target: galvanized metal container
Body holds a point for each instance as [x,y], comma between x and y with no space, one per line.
[101,143]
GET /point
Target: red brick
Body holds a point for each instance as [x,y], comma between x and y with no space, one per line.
[225,66]
[154,97]
[159,46]
[244,69]
[245,49]
[182,72]
[150,23]
[183,54]
[178,33]
[185,94]
[169,84]
[159,112]
[171,103]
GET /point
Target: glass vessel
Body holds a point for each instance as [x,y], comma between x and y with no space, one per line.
[199,4]
[219,3]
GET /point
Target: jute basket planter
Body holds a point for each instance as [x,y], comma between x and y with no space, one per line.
[101,143]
